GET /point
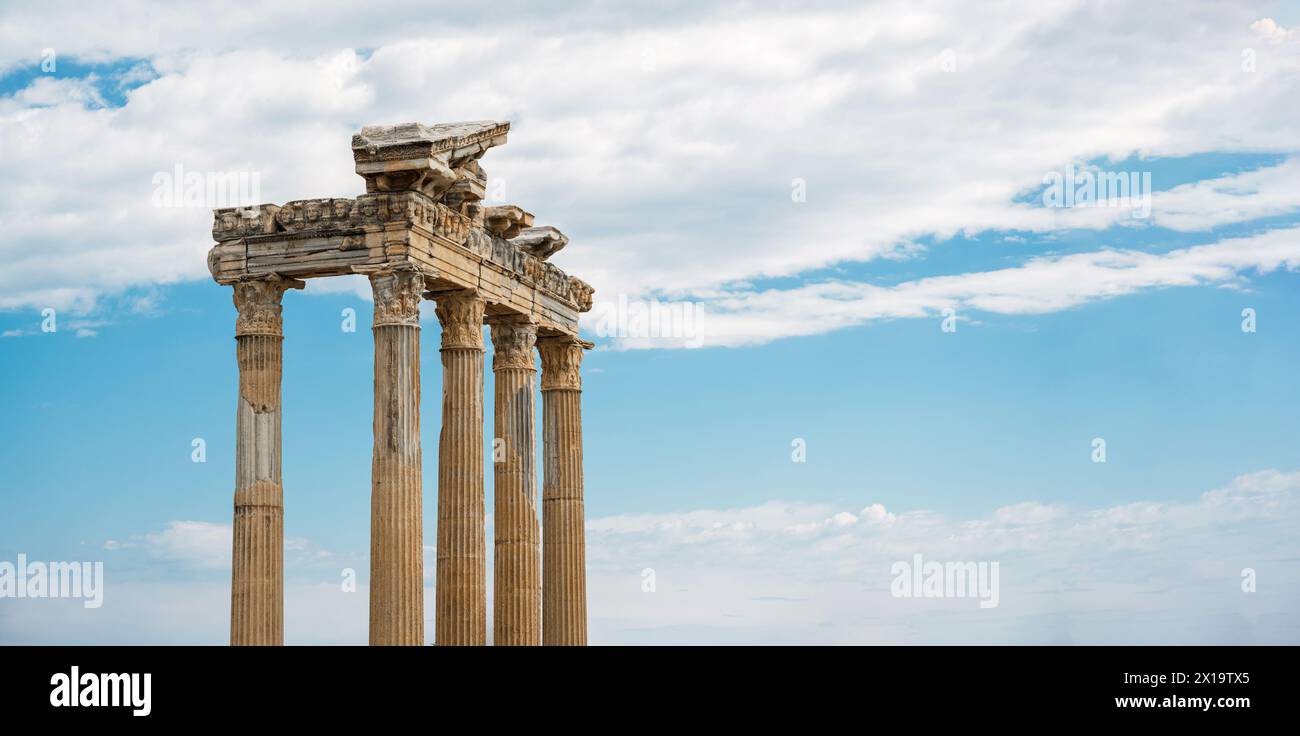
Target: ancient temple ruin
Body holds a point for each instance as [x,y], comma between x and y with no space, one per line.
[422,231]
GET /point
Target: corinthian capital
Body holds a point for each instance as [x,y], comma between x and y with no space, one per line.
[461,316]
[258,302]
[397,297]
[561,362]
[512,344]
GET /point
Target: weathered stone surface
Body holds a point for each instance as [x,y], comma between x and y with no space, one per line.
[452,143]
[427,159]
[564,577]
[506,221]
[517,575]
[540,242]
[466,193]
[333,237]
[421,230]
[396,503]
[460,615]
[257,555]
[397,296]
[275,228]
[422,209]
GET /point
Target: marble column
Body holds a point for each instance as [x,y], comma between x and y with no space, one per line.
[396,511]
[257,555]
[564,578]
[516,573]
[460,616]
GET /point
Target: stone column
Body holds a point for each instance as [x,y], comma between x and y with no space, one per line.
[396,515]
[460,617]
[516,574]
[564,578]
[257,555]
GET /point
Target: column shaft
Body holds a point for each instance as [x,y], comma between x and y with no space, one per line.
[516,575]
[460,617]
[396,510]
[257,554]
[564,579]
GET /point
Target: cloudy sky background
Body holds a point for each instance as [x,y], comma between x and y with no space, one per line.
[667,143]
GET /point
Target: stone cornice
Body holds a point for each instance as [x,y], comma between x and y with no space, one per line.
[438,161]
[505,221]
[432,159]
[542,242]
[458,141]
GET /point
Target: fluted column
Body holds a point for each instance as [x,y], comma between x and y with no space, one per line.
[396,510]
[564,577]
[460,616]
[516,573]
[257,555]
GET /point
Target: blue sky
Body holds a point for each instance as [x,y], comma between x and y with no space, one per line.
[819,320]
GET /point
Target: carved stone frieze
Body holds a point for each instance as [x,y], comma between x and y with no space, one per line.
[317,217]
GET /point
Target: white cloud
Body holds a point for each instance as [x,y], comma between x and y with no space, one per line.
[1142,572]
[1029,512]
[51,91]
[1268,29]
[201,544]
[206,545]
[672,176]
[877,514]
[843,518]
[1043,284]
[1201,205]
[1170,572]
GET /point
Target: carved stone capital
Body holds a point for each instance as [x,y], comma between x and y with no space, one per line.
[397,297]
[461,316]
[512,344]
[258,302]
[561,362]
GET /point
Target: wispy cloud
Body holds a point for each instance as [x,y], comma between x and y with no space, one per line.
[206,545]
[792,572]
[782,572]
[1042,285]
